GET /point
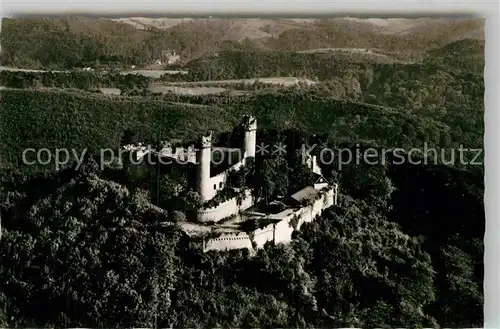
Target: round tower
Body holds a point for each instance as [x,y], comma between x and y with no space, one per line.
[250,127]
[203,159]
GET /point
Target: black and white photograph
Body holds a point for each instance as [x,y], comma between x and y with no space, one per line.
[205,171]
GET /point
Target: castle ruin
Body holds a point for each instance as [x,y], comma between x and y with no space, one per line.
[220,226]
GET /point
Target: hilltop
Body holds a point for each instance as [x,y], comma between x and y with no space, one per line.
[240,29]
[402,248]
[302,34]
[43,42]
[466,54]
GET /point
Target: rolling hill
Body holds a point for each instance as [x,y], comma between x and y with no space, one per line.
[240,29]
[39,42]
[466,54]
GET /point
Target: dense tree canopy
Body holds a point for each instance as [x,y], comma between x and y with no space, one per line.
[94,246]
[101,242]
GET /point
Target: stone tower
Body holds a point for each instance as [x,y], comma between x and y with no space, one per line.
[250,127]
[203,159]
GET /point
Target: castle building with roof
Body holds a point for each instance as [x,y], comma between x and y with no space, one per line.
[221,226]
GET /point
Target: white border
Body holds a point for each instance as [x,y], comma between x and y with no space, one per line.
[492,177]
[244,8]
[489,9]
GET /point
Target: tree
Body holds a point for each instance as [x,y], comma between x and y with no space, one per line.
[355,249]
[273,177]
[129,137]
[193,201]
[369,182]
[97,258]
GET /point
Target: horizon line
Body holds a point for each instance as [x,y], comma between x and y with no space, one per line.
[248,15]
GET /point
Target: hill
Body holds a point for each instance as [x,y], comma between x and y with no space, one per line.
[387,256]
[84,41]
[359,265]
[240,29]
[465,47]
[466,54]
[60,119]
[389,104]
[65,43]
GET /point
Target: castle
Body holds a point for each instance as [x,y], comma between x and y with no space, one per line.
[208,185]
[224,225]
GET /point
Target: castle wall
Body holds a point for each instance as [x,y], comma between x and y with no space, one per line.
[138,152]
[180,154]
[226,209]
[263,235]
[303,215]
[282,231]
[215,185]
[218,182]
[228,242]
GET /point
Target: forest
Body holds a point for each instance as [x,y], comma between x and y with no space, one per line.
[403,248]
[69,42]
[93,246]
[100,236]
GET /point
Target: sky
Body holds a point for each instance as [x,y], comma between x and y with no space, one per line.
[127,7]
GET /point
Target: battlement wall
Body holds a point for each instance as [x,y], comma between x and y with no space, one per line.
[228,242]
[226,209]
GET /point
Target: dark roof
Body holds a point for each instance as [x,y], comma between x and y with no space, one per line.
[308,192]
[320,179]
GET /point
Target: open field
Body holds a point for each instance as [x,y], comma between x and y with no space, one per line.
[186,91]
[285,81]
[343,50]
[154,73]
[146,73]
[15,69]
[194,88]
